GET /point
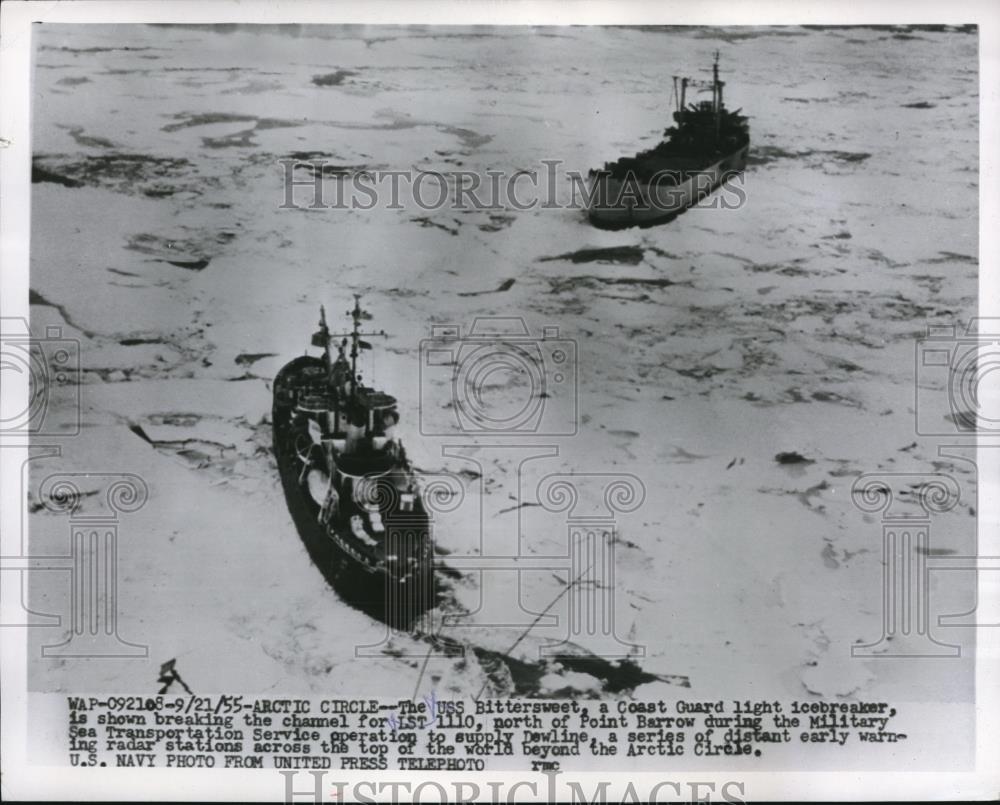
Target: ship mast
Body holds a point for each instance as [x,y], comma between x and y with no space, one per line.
[355,335]
[321,338]
[716,94]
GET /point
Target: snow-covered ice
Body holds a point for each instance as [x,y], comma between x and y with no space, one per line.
[706,347]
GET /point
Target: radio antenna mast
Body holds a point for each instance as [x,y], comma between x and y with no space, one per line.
[357,343]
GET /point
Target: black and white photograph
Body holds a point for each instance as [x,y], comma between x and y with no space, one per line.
[596,404]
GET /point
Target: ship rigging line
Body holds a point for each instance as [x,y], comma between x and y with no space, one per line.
[423,667]
[540,615]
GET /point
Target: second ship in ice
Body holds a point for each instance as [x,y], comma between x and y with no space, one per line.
[707,147]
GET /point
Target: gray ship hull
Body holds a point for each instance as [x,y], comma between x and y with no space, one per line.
[619,203]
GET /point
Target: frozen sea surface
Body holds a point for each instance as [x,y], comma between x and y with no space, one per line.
[705,347]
